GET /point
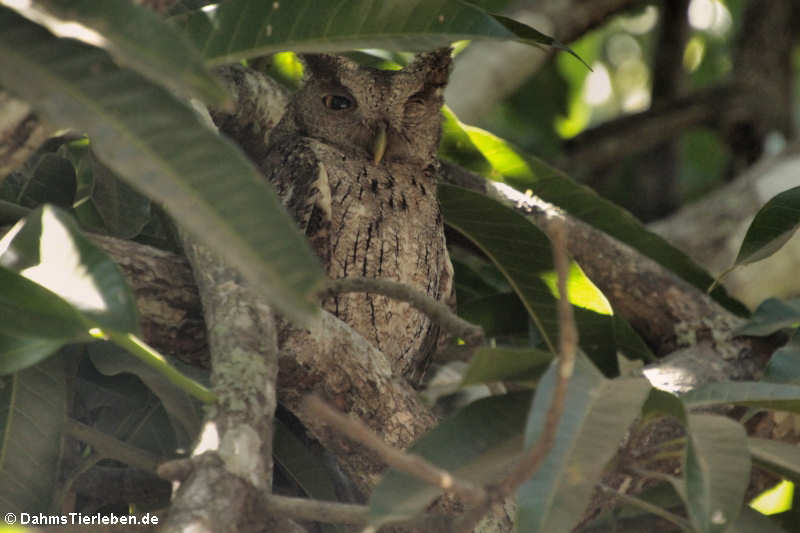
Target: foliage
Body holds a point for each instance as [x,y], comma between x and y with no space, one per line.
[137,147]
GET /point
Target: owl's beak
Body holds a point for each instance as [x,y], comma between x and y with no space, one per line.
[379,143]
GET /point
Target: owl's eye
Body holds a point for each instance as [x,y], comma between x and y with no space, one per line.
[337,102]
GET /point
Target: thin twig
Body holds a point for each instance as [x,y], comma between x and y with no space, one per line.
[319,511]
[399,460]
[568,342]
[436,311]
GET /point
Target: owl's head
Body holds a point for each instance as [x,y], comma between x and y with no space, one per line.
[382,115]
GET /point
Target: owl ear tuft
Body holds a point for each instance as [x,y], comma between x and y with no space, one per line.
[435,65]
[324,65]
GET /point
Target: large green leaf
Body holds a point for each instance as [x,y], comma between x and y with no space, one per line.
[773,226]
[136,36]
[526,172]
[162,148]
[478,444]
[249,28]
[597,414]
[517,247]
[780,396]
[33,409]
[717,469]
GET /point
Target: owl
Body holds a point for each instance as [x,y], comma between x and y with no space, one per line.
[354,161]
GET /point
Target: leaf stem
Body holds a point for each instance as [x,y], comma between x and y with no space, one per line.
[138,348]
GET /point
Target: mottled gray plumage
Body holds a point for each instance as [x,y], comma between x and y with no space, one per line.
[354,159]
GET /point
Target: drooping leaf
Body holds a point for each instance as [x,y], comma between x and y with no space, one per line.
[506,364]
[478,444]
[717,469]
[773,226]
[597,414]
[526,172]
[136,36]
[772,315]
[249,28]
[33,409]
[517,247]
[780,396]
[162,148]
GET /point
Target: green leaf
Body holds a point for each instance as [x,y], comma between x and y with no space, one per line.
[18,353]
[781,458]
[478,444]
[506,364]
[526,172]
[499,314]
[29,310]
[184,412]
[517,247]
[160,146]
[773,226]
[661,402]
[135,36]
[771,316]
[717,469]
[33,409]
[597,414]
[52,181]
[306,468]
[250,28]
[47,248]
[783,397]
[122,211]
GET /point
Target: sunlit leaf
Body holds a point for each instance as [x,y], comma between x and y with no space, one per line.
[249,28]
[773,226]
[528,173]
[162,148]
[48,249]
[136,36]
[597,414]
[717,470]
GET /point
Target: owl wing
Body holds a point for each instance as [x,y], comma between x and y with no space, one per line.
[301,180]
